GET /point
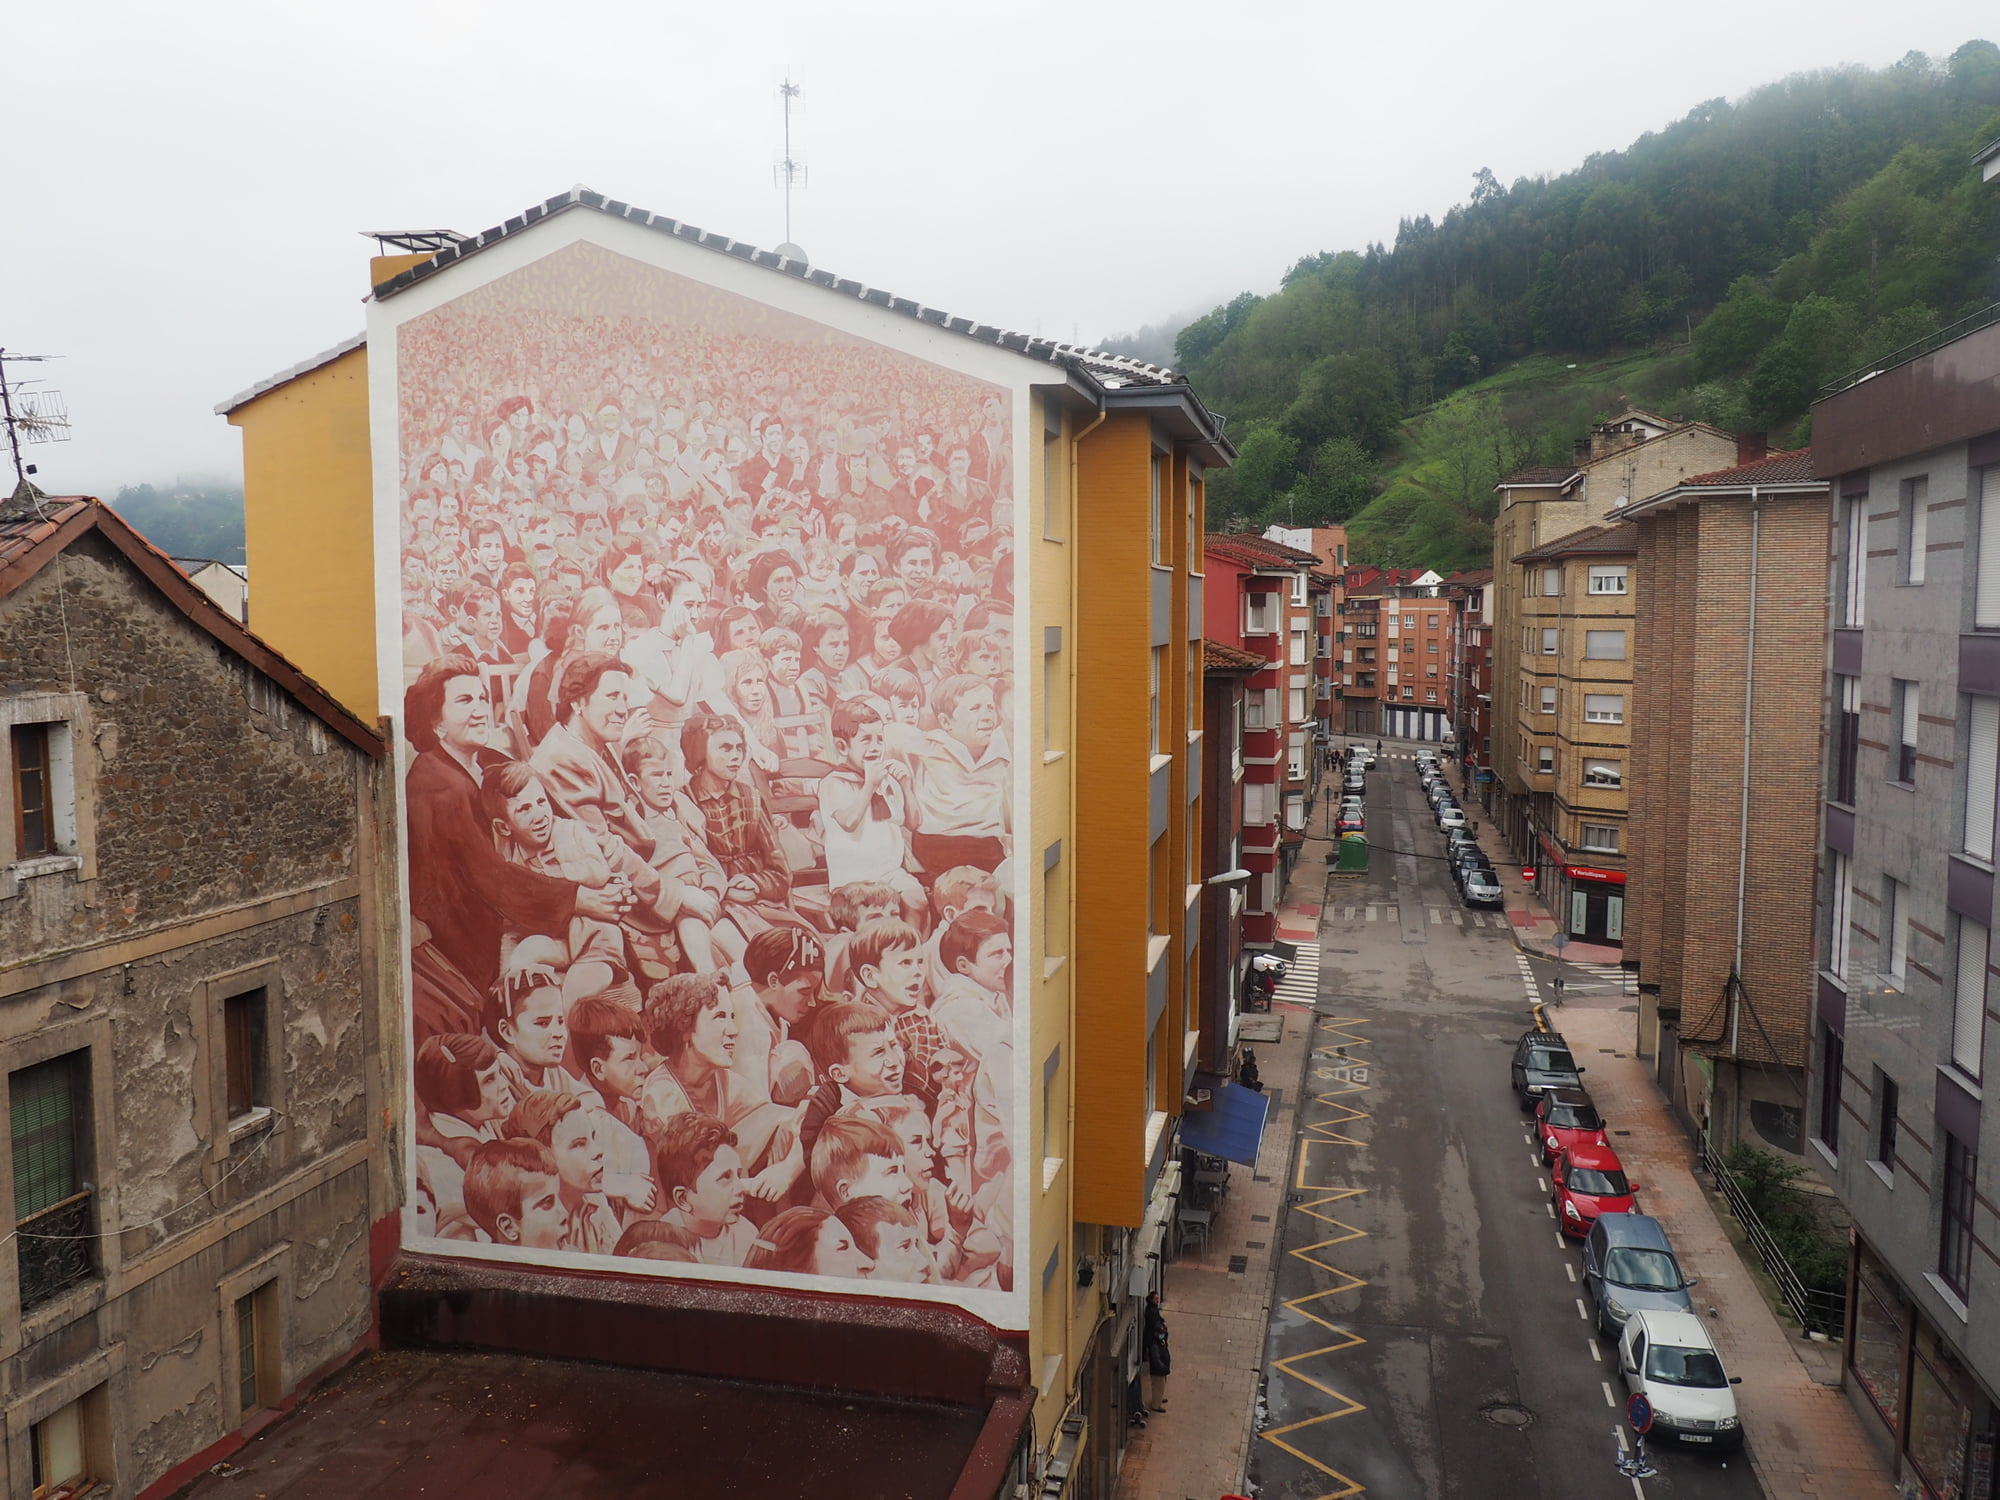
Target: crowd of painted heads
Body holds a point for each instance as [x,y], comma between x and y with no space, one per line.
[708,643]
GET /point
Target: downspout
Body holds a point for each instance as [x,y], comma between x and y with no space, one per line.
[1743,809]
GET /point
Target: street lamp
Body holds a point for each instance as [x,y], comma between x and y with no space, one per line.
[1229,877]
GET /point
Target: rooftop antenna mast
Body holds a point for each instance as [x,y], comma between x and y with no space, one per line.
[30,416]
[790,172]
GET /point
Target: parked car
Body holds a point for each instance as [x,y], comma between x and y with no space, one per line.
[1629,1267]
[1456,839]
[1468,857]
[1669,1358]
[1542,1062]
[1355,782]
[1589,1182]
[1450,816]
[1351,819]
[1427,758]
[1565,1119]
[1481,887]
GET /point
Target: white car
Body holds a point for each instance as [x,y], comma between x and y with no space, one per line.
[1669,1358]
[1450,818]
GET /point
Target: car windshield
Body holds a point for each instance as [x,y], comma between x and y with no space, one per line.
[1575,1117]
[1643,1270]
[1551,1059]
[1678,1366]
[1598,1184]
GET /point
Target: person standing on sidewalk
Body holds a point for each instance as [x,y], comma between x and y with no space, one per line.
[1158,1356]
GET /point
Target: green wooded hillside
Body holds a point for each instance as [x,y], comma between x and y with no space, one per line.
[1723,268]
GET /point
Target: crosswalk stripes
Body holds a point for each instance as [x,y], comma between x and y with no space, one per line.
[1436,915]
[1528,979]
[1301,985]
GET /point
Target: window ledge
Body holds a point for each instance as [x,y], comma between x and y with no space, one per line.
[1831,1158]
[1052,964]
[249,1123]
[1192,895]
[1946,1295]
[1888,1177]
[1156,1126]
[1159,763]
[1976,861]
[1963,1079]
[47,864]
[1050,757]
[1051,1169]
[1156,949]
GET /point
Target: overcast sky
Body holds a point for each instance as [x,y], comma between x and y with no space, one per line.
[185,183]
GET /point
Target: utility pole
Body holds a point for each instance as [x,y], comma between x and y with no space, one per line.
[790,171]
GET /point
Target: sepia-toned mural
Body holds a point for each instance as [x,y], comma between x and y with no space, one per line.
[707,630]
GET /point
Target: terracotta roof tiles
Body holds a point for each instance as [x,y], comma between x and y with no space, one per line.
[1593,541]
[1794,467]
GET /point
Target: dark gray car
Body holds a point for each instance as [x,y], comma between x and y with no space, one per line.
[1542,1062]
[1628,1267]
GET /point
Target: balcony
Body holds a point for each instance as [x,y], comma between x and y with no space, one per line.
[54,1248]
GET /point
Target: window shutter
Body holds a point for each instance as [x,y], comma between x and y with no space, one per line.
[1986,595]
[1982,756]
[1968,1018]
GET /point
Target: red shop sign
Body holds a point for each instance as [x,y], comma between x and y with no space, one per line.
[1584,872]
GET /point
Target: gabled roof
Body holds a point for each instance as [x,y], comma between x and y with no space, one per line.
[1615,540]
[1795,467]
[1544,478]
[1471,580]
[1254,551]
[1220,656]
[36,529]
[1111,370]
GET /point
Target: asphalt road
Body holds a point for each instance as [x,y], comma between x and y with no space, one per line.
[1427,1337]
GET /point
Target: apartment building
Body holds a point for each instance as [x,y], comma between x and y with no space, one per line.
[195,864]
[1626,459]
[1728,679]
[1904,1008]
[776,506]
[1329,545]
[1226,674]
[1469,700]
[1266,598]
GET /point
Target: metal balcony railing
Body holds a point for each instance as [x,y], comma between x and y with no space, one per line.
[55,1248]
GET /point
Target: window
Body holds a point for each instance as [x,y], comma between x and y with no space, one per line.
[1545,759]
[1295,762]
[257,1383]
[1550,640]
[1193,512]
[1548,700]
[1259,803]
[1831,1062]
[243,1052]
[1409,693]
[1961,1168]
[1299,647]
[1297,704]
[1157,514]
[1982,762]
[1854,560]
[1603,708]
[1896,919]
[1158,661]
[1847,736]
[1603,773]
[1904,695]
[1913,527]
[1604,645]
[1887,1098]
[1601,838]
[57,1460]
[1968,1007]
[1054,481]
[1431,647]
[1409,622]
[1260,614]
[1193,704]
[1054,698]
[1552,582]
[1299,589]
[48,1107]
[1839,892]
[1607,578]
[1055,912]
[34,814]
[1986,590]
[1430,695]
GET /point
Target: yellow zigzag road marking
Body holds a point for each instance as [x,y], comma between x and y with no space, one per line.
[1323,1133]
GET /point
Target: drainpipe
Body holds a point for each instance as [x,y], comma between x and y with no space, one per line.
[1743,809]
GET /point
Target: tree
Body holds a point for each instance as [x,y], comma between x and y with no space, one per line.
[1339,481]
[1467,436]
[1349,395]
[1731,337]
[1264,470]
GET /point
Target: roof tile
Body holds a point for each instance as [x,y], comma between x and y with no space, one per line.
[1793,467]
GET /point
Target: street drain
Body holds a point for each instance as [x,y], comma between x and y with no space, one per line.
[1238,1264]
[1506,1414]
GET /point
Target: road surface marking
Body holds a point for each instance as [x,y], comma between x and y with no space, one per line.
[1542,1183]
[1561,1243]
[1581,1310]
[1591,1344]
[1572,1276]
[1611,1400]
[1551,1208]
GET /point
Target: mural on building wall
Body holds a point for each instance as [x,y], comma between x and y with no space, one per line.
[707,620]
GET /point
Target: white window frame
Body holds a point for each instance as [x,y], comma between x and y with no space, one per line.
[1601,714]
[1598,644]
[1854,561]
[1261,614]
[1552,581]
[1598,838]
[1604,773]
[1915,507]
[1982,775]
[1545,760]
[1551,640]
[1607,578]
[1547,701]
[1896,917]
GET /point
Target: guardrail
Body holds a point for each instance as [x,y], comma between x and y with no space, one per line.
[1817,1311]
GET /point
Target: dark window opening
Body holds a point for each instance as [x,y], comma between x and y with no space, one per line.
[34,814]
[1831,1062]
[243,1047]
[1961,1165]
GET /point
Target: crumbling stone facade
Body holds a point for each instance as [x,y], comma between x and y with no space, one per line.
[194,969]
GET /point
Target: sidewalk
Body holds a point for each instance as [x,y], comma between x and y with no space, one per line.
[1216,1314]
[1805,1441]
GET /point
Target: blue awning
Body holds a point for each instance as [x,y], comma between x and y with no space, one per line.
[1233,1129]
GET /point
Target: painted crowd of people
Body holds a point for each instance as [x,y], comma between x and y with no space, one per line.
[708,636]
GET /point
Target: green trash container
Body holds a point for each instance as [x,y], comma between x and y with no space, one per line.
[1353,857]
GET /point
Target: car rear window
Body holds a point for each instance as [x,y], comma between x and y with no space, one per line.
[1598,1184]
[1642,1270]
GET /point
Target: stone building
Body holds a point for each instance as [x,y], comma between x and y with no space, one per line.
[189,1009]
[1728,668]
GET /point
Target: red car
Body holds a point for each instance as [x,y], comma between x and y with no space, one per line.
[1589,1180]
[1566,1118]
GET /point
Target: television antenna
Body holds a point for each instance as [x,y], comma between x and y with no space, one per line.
[790,171]
[29,415]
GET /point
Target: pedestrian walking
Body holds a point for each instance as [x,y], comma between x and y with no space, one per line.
[1159,1357]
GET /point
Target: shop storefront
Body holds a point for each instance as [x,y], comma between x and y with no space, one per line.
[1939,1422]
[1593,903]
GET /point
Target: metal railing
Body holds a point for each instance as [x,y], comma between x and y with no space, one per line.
[1929,343]
[1817,1311]
[54,1248]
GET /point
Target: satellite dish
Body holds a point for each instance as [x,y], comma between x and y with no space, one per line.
[793,252]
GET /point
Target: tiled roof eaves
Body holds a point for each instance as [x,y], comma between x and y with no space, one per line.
[1595,541]
[1110,369]
[303,367]
[1219,656]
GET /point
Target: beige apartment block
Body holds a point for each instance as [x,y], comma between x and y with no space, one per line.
[1729,673]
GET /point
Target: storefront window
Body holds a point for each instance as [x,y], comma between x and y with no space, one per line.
[1940,1417]
[1876,1357]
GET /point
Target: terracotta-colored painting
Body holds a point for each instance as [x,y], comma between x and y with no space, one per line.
[707,616]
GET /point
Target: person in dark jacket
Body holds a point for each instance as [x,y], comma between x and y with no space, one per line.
[1158,1357]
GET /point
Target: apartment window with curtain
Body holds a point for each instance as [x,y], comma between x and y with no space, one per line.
[1982,763]
[1551,640]
[1548,700]
[1985,486]
[1846,736]
[1607,578]
[1831,1062]
[1839,895]
[1913,527]
[1961,1173]
[1854,560]
[1968,1007]
[1896,929]
[1545,760]
[1904,701]
[1603,708]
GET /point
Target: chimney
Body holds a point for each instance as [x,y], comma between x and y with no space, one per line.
[1579,451]
[1751,446]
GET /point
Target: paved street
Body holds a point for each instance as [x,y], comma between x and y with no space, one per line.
[1427,1337]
